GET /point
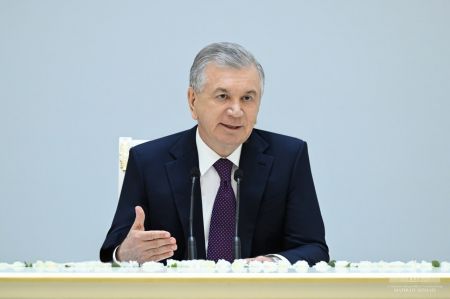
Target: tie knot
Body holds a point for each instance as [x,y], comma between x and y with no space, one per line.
[223,168]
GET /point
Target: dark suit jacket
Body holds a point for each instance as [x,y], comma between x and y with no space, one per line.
[279,211]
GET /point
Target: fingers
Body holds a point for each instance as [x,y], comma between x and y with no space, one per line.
[153,248]
[172,246]
[260,258]
[163,256]
[162,242]
[162,250]
[157,243]
[154,235]
[138,223]
[154,251]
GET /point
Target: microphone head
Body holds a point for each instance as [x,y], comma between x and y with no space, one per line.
[195,173]
[238,174]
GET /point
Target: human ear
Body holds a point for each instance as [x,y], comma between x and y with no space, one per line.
[192,101]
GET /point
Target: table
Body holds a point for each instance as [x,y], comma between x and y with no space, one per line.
[33,284]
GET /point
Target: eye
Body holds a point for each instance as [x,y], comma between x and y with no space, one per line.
[247,98]
[222,96]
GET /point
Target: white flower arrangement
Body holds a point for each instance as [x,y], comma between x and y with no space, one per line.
[192,266]
[284,266]
[341,266]
[223,266]
[18,265]
[270,267]
[301,266]
[129,264]
[47,266]
[153,267]
[255,266]
[425,266]
[322,267]
[239,266]
[89,266]
[172,263]
[445,266]
[363,266]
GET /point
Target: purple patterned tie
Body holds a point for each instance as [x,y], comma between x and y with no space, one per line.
[221,230]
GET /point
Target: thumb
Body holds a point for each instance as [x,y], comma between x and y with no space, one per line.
[139,220]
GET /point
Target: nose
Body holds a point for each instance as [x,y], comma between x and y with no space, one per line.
[235,109]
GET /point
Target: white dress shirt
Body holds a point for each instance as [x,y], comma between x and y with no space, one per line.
[210,180]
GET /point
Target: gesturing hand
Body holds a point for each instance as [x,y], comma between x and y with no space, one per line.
[143,246]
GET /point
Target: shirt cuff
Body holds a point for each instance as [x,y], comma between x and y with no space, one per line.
[114,256]
[277,257]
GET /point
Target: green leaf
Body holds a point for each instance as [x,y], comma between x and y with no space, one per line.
[435,263]
[28,265]
[332,263]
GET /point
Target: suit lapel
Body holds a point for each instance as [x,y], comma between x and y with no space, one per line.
[179,172]
[256,168]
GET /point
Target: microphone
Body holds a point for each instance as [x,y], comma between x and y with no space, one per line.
[238,174]
[192,246]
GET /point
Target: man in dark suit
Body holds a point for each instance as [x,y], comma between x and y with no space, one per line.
[279,213]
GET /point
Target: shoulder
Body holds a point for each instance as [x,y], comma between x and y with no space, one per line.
[163,148]
[279,143]
[159,143]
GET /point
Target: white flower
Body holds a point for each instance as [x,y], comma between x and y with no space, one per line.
[129,266]
[88,266]
[322,266]
[396,266]
[270,267]
[382,266]
[196,266]
[445,266]
[223,266]
[341,264]
[364,266]
[18,265]
[301,266]
[46,266]
[284,266]
[153,267]
[206,266]
[425,266]
[411,266]
[239,266]
[255,266]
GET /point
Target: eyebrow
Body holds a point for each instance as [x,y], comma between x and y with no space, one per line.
[220,89]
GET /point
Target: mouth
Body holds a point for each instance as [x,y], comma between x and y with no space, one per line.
[231,127]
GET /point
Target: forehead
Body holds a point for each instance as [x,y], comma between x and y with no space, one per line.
[217,76]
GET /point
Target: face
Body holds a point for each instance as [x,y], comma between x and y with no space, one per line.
[227,106]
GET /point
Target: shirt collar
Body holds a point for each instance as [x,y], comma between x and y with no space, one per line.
[207,157]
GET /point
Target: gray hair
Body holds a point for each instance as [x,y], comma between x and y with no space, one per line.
[223,54]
